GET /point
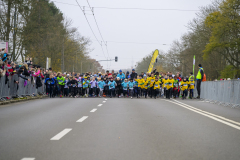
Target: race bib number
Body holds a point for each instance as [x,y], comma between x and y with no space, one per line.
[146,86]
[130,87]
[156,85]
[185,85]
[192,84]
[125,88]
[49,82]
[60,81]
[152,80]
[74,85]
[170,84]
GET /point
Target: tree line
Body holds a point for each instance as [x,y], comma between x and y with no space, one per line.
[38,29]
[213,37]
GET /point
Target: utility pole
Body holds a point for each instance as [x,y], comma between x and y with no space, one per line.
[63,56]
[14,34]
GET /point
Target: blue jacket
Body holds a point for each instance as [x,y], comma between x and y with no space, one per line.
[101,84]
[125,85]
[122,76]
[86,84]
[112,85]
[49,81]
[130,84]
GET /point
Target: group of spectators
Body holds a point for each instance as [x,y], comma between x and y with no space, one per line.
[27,70]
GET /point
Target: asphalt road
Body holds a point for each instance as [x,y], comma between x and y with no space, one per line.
[119,129]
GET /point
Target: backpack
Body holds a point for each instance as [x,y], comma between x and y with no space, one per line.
[204,77]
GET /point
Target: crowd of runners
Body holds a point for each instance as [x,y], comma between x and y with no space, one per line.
[120,84]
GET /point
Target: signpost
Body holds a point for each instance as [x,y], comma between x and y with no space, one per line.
[3,45]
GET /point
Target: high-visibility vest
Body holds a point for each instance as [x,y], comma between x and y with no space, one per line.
[199,76]
[191,77]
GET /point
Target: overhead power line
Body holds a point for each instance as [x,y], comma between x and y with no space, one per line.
[135,42]
[105,43]
[146,9]
[90,27]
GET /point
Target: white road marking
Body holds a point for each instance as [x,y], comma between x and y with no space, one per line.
[214,118]
[99,105]
[28,159]
[61,134]
[223,118]
[82,119]
[104,101]
[93,110]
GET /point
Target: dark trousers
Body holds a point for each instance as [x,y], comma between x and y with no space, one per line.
[50,90]
[136,91]
[66,91]
[124,92]
[112,91]
[74,91]
[83,91]
[191,93]
[144,92]
[61,89]
[185,93]
[156,91]
[199,86]
[175,92]
[152,91]
[169,93]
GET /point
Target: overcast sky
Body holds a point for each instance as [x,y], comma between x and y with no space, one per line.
[140,26]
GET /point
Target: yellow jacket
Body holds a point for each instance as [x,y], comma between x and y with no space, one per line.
[170,83]
[191,83]
[156,85]
[151,80]
[140,81]
[164,82]
[184,85]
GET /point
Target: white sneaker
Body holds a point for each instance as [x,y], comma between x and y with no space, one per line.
[131,97]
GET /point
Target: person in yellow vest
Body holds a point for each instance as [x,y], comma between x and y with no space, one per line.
[199,79]
[184,87]
[145,87]
[141,85]
[169,87]
[191,87]
[164,85]
[151,81]
[156,87]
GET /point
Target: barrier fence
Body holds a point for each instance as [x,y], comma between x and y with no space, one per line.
[226,93]
[10,89]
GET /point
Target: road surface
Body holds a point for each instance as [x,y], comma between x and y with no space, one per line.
[118,129]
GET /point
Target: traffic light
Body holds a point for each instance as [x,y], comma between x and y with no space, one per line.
[116,59]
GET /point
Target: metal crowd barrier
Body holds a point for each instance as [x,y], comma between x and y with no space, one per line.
[225,93]
[10,89]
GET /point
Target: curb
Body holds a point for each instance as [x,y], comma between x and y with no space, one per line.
[23,99]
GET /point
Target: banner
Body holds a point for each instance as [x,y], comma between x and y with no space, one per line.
[154,57]
[193,64]
[3,45]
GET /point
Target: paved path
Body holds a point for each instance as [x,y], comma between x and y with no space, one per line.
[118,129]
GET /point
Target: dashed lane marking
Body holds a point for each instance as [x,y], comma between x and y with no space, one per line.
[82,119]
[99,105]
[61,134]
[104,101]
[28,159]
[93,110]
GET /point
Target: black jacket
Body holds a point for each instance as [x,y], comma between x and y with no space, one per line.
[133,75]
